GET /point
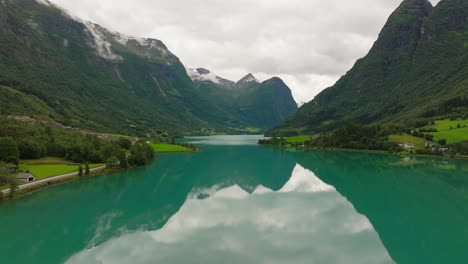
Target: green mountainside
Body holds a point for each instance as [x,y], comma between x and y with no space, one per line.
[416,71]
[247,102]
[85,76]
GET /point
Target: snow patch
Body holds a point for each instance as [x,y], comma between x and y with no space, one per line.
[147,44]
[154,44]
[102,47]
[251,79]
[195,75]
[248,78]
[44,2]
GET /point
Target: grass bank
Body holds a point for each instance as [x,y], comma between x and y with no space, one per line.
[22,192]
[165,147]
[451,130]
[46,171]
[161,147]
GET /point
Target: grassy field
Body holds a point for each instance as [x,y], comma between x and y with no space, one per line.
[419,143]
[45,171]
[46,161]
[298,139]
[452,136]
[164,147]
[443,125]
[448,130]
[250,130]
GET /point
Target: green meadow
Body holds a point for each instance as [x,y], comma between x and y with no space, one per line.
[164,147]
[298,139]
[46,171]
[419,143]
[452,136]
[451,130]
[443,125]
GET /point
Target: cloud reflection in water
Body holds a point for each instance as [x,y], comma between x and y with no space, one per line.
[306,221]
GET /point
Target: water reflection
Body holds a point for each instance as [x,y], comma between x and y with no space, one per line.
[237,202]
[417,205]
[306,221]
[243,140]
[54,224]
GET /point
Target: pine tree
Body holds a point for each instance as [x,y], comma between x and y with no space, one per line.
[87,171]
[123,160]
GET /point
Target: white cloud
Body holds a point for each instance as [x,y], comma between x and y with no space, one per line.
[309,43]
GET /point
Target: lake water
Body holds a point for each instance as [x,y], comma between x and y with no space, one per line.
[237,202]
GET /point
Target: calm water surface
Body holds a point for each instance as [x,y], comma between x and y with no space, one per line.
[237,202]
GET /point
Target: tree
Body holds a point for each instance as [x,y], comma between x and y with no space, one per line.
[87,171]
[31,149]
[13,160]
[124,143]
[429,137]
[13,182]
[123,162]
[109,150]
[140,154]
[8,148]
[112,162]
[80,171]
[442,141]
[4,174]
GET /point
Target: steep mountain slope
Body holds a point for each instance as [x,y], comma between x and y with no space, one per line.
[267,104]
[418,64]
[83,75]
[249,102]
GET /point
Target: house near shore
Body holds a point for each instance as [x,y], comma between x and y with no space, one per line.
[409,146]
[443,150]
[25,177]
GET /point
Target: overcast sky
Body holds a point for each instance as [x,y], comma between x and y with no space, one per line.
[308,43]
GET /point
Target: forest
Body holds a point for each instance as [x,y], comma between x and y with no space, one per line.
[356,135]
[23,140]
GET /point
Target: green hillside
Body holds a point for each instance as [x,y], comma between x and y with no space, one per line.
[85,76]
[415,72]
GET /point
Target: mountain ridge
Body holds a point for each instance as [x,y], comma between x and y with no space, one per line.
[418,63]
[256,104]
[86,76]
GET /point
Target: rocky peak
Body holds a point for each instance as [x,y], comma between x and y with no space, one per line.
[202,71]
[447,15]
[248,79]
[403,28]
[202,74]
[3,15]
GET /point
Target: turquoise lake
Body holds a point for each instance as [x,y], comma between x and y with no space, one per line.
[238,202]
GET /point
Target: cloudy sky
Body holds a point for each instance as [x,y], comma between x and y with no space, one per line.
[308,43]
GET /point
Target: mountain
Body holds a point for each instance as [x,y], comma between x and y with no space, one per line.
[202,74]
[416,71]
[265,104]
[78,73]
[247,82]
[250,103]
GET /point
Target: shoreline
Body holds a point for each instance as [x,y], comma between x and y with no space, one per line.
[64,178]
[370,151]
[53,181]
